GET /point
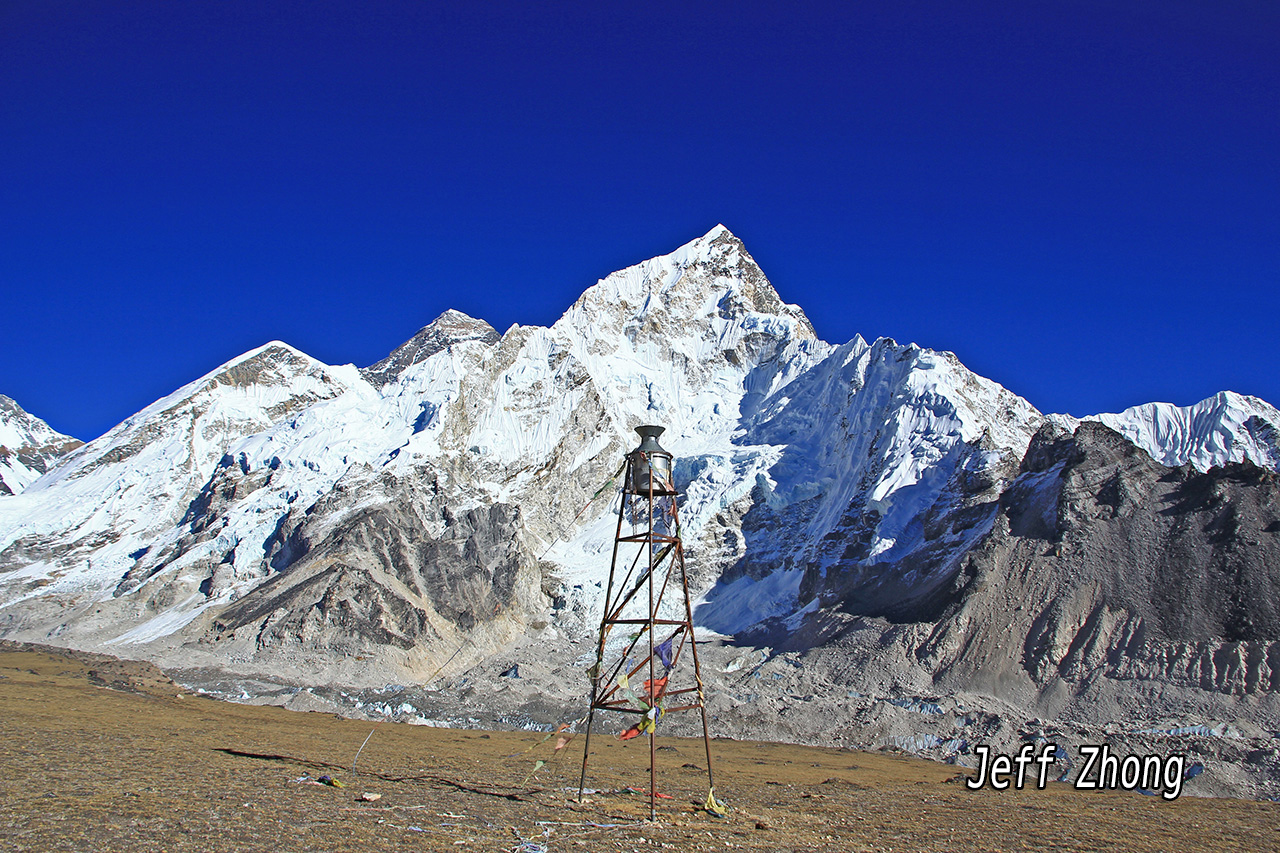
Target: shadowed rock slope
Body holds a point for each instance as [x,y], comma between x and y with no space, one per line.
[1104,564]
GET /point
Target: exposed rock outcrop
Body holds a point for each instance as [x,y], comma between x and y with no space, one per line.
[403,573]
[1104,563]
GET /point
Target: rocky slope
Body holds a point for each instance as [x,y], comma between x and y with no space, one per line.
[1114,599]
[282,521]
[1106,566]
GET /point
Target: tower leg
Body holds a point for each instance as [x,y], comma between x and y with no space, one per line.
[604,625]
[586,750]
[653,688]
[697,667]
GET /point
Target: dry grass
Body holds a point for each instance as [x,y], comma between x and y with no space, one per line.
[104,755]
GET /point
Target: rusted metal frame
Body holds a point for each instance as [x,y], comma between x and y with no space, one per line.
[697,671]
[667,579]
[614,619]
[646,622]
[680,691]
[650,697]
[675,650]
[623,704]
[679,708]
[653,760]
[643,538]
[610,610]
[629,649]
[622,708]
[684,628]
[614,687]
[617,610]
[604,632]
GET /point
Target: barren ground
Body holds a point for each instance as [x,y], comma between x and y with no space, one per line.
[98,754]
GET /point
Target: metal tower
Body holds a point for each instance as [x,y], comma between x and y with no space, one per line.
[647,562]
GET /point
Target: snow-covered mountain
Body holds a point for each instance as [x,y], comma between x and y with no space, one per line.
[328,524]
[808,467]
[1227,427]
[28,447]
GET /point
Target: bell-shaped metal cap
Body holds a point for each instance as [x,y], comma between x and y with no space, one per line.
[649,438]
[650,464]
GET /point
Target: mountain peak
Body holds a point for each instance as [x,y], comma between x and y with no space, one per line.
[451,327]
[713,273]
[718,243]
[1227,427]
[28,447]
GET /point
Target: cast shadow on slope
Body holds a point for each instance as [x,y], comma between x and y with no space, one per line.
[818,530]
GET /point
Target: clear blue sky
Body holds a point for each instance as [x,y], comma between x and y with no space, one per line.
[1082,200]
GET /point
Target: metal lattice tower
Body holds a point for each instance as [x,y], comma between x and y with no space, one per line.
[647,563]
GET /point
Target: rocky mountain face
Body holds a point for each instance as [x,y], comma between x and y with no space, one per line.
[1113,599]
[28,447]
[1106,567]
[874,513]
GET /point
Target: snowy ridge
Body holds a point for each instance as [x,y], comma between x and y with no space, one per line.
[20,429]
[1226,427]
[875,437]
[127,491]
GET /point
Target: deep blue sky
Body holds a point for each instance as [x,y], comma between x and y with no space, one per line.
[1082,200]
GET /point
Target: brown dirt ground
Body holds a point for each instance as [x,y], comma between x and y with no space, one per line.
[98,754]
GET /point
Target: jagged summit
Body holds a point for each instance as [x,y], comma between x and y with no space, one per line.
[18,428]
[28,447]
[451,327]
[711,277]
